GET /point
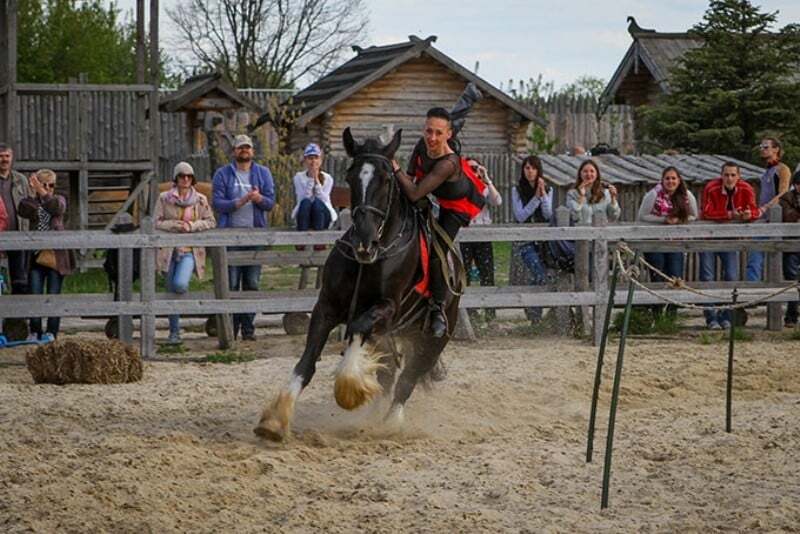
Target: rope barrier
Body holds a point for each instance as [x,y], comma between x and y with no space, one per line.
[632,273]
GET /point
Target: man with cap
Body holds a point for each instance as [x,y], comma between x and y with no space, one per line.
[243,193]
[790,203]
[13,189]
[312,189]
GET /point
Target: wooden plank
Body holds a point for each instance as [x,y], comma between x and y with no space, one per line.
[219,262]
[774,268]
[600,279]
[125,293]
[147,277]
[12,101]
[66,166]
[56,88]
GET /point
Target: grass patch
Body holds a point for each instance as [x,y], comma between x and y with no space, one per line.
[667,324]
[794,335]
[640,322]
[229,356]
[172,348]
[739,334]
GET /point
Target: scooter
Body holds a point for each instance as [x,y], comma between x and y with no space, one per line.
[5,343]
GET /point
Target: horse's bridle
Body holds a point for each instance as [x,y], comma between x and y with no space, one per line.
[383,215]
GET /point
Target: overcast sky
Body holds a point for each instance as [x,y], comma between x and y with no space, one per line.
[520,39]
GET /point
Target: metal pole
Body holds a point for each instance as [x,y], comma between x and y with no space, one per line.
[729,388]
[600,354]
[612,415]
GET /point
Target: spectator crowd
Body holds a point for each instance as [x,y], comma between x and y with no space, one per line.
[243,192]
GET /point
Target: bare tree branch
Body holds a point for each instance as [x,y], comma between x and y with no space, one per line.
[267,43]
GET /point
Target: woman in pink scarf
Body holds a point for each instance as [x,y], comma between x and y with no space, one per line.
[182,209]
[670,202]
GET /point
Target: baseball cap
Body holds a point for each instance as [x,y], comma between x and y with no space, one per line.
[182,168]
[312,149]
[242,140]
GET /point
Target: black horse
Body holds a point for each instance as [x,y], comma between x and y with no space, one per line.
[369,283]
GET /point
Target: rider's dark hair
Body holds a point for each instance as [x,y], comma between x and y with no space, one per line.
[439,113]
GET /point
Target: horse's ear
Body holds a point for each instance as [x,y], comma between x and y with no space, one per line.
[349,142]
[390,149]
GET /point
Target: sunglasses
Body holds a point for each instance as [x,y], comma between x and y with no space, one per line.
[190,176]
[49,186]
[764,146]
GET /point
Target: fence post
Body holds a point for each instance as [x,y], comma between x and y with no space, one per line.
[219,262]
[582,273]
[562,281]
[147,276]
[125,292]
[600,275]
[775,275]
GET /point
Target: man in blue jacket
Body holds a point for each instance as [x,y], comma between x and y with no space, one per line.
[243,193]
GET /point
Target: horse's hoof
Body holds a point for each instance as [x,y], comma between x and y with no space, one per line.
[271,433]
[274,422]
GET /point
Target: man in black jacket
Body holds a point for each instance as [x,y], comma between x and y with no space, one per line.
[790,203]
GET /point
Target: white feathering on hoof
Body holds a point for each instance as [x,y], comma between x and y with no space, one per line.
[277,416]
[356,381]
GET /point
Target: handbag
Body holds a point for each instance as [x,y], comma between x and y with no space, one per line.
[46,258]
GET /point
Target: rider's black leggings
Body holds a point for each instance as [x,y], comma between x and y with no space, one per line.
[451,222]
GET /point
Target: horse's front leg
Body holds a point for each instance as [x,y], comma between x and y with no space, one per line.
[277,416]
[356,381]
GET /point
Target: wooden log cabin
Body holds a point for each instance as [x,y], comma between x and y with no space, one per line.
[384,88]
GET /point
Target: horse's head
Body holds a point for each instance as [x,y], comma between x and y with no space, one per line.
[372,189]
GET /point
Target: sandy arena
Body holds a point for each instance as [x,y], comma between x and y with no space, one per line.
[498,446]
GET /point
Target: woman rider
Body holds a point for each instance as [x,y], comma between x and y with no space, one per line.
[436,168]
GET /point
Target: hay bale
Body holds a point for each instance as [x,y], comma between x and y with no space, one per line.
[84,361]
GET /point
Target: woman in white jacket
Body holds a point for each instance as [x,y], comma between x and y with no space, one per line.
[312,189]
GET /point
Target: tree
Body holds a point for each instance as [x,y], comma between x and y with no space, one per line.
[267,43]
[59,39]
[736,87]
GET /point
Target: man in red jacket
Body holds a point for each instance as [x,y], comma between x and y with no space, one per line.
[728,198]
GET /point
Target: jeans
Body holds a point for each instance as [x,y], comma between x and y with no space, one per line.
[38,278]
[18,271]
[669,263]
[791,267]
[244,278]
[537,274]
[482,255]
[730,273]
[755,266]
[181,267]
[313,215]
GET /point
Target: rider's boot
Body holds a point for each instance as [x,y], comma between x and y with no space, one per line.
[438,319]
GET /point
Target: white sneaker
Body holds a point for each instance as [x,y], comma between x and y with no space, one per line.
[32,337]
[725,325]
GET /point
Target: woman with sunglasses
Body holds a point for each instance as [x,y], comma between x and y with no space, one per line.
[182,209]
[46,210]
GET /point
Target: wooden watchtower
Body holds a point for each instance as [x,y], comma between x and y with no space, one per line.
[104,138]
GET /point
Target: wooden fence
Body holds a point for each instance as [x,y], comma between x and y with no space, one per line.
[586,293]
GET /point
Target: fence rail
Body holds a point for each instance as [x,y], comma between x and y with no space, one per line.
[590,293]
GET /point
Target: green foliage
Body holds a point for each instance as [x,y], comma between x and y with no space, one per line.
[172,348]
[734,89]
[666,324]
[641,321]
[229,356]
[59,39]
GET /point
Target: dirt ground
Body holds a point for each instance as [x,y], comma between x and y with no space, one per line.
[498,446]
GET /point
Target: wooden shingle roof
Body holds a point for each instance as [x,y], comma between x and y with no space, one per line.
[371,64]
[209,91]
[657,51]
[629,170]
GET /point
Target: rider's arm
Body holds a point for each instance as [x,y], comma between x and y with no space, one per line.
[444,169]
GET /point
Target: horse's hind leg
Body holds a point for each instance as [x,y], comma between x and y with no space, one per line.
[422,362]
[277,416]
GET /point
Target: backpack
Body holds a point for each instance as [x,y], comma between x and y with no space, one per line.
[559,254]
